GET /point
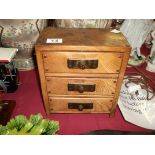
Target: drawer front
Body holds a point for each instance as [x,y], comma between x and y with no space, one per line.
[82,62]
[80,86]
[80,105]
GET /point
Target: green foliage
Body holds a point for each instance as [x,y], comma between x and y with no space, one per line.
[36,119]
[36,125]
[17,123]
[3,130]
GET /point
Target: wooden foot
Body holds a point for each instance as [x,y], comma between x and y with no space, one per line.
[112,114]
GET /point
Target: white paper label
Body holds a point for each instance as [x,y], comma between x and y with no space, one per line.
[115,31]
[54,40]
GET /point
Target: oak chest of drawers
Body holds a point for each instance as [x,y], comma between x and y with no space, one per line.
[84,73]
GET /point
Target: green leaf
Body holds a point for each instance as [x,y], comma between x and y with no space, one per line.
[40,128]
[12,132]
[20,122]
[3,130]
[11,125]
[17,123]
[26,128]
[52,128]
[36,125]
[36,119]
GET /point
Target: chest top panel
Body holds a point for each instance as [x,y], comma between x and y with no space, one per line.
[83,39]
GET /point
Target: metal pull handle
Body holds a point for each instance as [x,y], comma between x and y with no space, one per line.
[80,106]
[81,88]
[82,63]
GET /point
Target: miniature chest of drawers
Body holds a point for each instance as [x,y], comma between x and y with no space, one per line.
[84,73]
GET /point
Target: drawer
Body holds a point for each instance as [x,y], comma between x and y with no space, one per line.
[77,105]
[82,62]
[80,86]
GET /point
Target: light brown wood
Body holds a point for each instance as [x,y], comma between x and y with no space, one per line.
[83,39]
[96,75]
[90,48]
[120,80]
[111,50]
[59,62]
[100,105]
[102,86]
[43,81]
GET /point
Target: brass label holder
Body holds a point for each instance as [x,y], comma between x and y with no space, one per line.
[81,88]
[82,63]
[80,106]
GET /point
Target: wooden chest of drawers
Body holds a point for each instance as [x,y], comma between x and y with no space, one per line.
[84,73]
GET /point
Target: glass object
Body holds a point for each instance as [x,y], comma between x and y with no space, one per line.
[136,32]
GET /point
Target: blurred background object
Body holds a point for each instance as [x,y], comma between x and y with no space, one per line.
[116,23]
[83,23]
[136,32]
[151,59]
[21,34]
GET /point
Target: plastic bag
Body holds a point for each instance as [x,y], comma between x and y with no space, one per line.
[135,107]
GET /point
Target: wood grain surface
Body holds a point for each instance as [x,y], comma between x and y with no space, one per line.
[102,86]
[85,39]
[109,49]
[100,105]
[56,62]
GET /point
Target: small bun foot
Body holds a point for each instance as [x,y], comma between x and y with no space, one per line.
[112,114]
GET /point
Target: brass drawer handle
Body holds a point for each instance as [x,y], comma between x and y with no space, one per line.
[80,106]
[81,88]
[82,63]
